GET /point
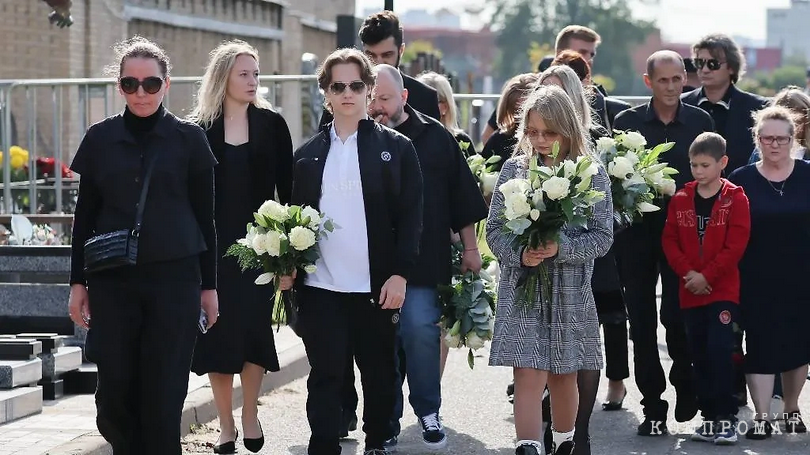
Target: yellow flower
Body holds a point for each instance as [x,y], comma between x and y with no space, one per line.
[19,156]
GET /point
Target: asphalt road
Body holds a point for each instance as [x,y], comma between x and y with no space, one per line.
[478,419]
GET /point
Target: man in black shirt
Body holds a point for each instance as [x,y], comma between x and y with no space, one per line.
[452,202]
[640,256]
[720,64]
[383,42]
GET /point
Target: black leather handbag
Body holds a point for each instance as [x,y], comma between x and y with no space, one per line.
[117,248]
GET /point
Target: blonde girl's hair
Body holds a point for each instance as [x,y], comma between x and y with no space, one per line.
[508,108]
[445,92]
[798,102]
[557,111]
[211,94]
[575,90]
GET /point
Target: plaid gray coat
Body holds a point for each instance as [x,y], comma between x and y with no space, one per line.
[524,337]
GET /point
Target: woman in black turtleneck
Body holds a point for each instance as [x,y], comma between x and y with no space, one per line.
[142,318]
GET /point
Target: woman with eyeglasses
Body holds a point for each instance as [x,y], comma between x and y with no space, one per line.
[774,271]
[143,258]
[798,102]
[252,145]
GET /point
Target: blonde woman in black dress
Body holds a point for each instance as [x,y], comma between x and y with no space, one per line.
[253,147]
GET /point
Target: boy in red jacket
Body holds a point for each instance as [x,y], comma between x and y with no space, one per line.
[705,236]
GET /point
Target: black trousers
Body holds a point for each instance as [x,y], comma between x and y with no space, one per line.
[641,259]
[711,339]
[142,333]
[332,325]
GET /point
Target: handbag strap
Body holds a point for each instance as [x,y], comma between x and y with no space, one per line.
[142,201]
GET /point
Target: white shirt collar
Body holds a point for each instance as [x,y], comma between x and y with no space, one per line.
[333,132]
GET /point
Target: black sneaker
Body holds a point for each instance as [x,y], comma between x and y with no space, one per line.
[759,430]
[686,407]
[432,431]
[650,427]
[527,449]
[705,432]
[794,423]
[566,448]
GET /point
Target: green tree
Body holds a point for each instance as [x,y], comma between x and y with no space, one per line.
[522,22]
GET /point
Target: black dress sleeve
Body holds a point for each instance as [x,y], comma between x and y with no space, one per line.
[284,160]
[409,211]
[88,205]
[201,197]
[467,204]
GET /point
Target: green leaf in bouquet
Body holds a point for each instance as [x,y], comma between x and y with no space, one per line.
[470,359]
[463,145]
[670,171]
[477,289]
[493,159]
[568,208]
[260,220]
[518,225]
[584,185]
[655,168]
[329,225]
[466,323]
[283,246]
[579,221]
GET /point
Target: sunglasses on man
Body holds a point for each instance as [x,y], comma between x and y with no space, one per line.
[337,88]
[713,64]
[151,85]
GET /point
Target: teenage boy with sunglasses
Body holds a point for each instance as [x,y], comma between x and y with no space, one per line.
[720,64]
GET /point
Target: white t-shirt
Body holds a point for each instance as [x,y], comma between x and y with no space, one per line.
[343,264]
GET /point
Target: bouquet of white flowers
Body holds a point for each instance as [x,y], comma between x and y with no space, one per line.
[637,177]
[282,239]
[537,208]
[485,172]
[468,306]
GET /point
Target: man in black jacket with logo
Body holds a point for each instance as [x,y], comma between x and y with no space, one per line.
[720,64]
[383,42]
[366,178]
[453,202]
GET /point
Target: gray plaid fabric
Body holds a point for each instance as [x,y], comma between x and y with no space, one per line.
[524,337]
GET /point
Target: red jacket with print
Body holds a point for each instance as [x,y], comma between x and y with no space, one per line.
[724,242]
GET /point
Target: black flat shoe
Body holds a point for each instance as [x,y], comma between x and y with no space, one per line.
[227,447]
[614,405]
[255,445]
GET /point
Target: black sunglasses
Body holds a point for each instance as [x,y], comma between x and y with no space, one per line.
[713,64]
[151,85]
[338,88]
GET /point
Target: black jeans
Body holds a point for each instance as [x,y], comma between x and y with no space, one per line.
[641,259]
[142,333]
[331,325]
[711,342]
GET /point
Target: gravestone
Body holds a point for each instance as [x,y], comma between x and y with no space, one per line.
[20,402]
[16,373]
[19,349]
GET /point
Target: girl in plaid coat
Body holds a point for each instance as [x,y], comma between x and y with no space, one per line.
[548,343]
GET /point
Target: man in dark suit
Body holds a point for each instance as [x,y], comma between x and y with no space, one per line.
[720,64]
[383,42]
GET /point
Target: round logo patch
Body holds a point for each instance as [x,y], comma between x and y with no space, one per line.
[395,318]
[385,156]
[725,317]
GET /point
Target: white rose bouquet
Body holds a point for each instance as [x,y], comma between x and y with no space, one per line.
[282,239]
[468,306]
[485,172]
[637,177]
[537,208]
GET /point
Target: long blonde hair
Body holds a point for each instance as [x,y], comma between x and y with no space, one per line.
[445,92]
[575,90]
[557,111]
[211,94]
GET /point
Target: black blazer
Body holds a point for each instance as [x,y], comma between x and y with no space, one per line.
[739,134]
[178,217]
[270,154]
[421,97]
[392,195]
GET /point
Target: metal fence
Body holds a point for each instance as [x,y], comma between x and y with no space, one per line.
[50,117]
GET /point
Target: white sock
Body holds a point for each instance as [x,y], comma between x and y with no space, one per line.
[537,444]
[559,438]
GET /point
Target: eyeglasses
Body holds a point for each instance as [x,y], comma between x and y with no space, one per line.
[337,88]
[151,85]
[769,140]
[713,64]
[532,133]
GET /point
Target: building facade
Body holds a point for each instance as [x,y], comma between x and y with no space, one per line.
[787,29]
